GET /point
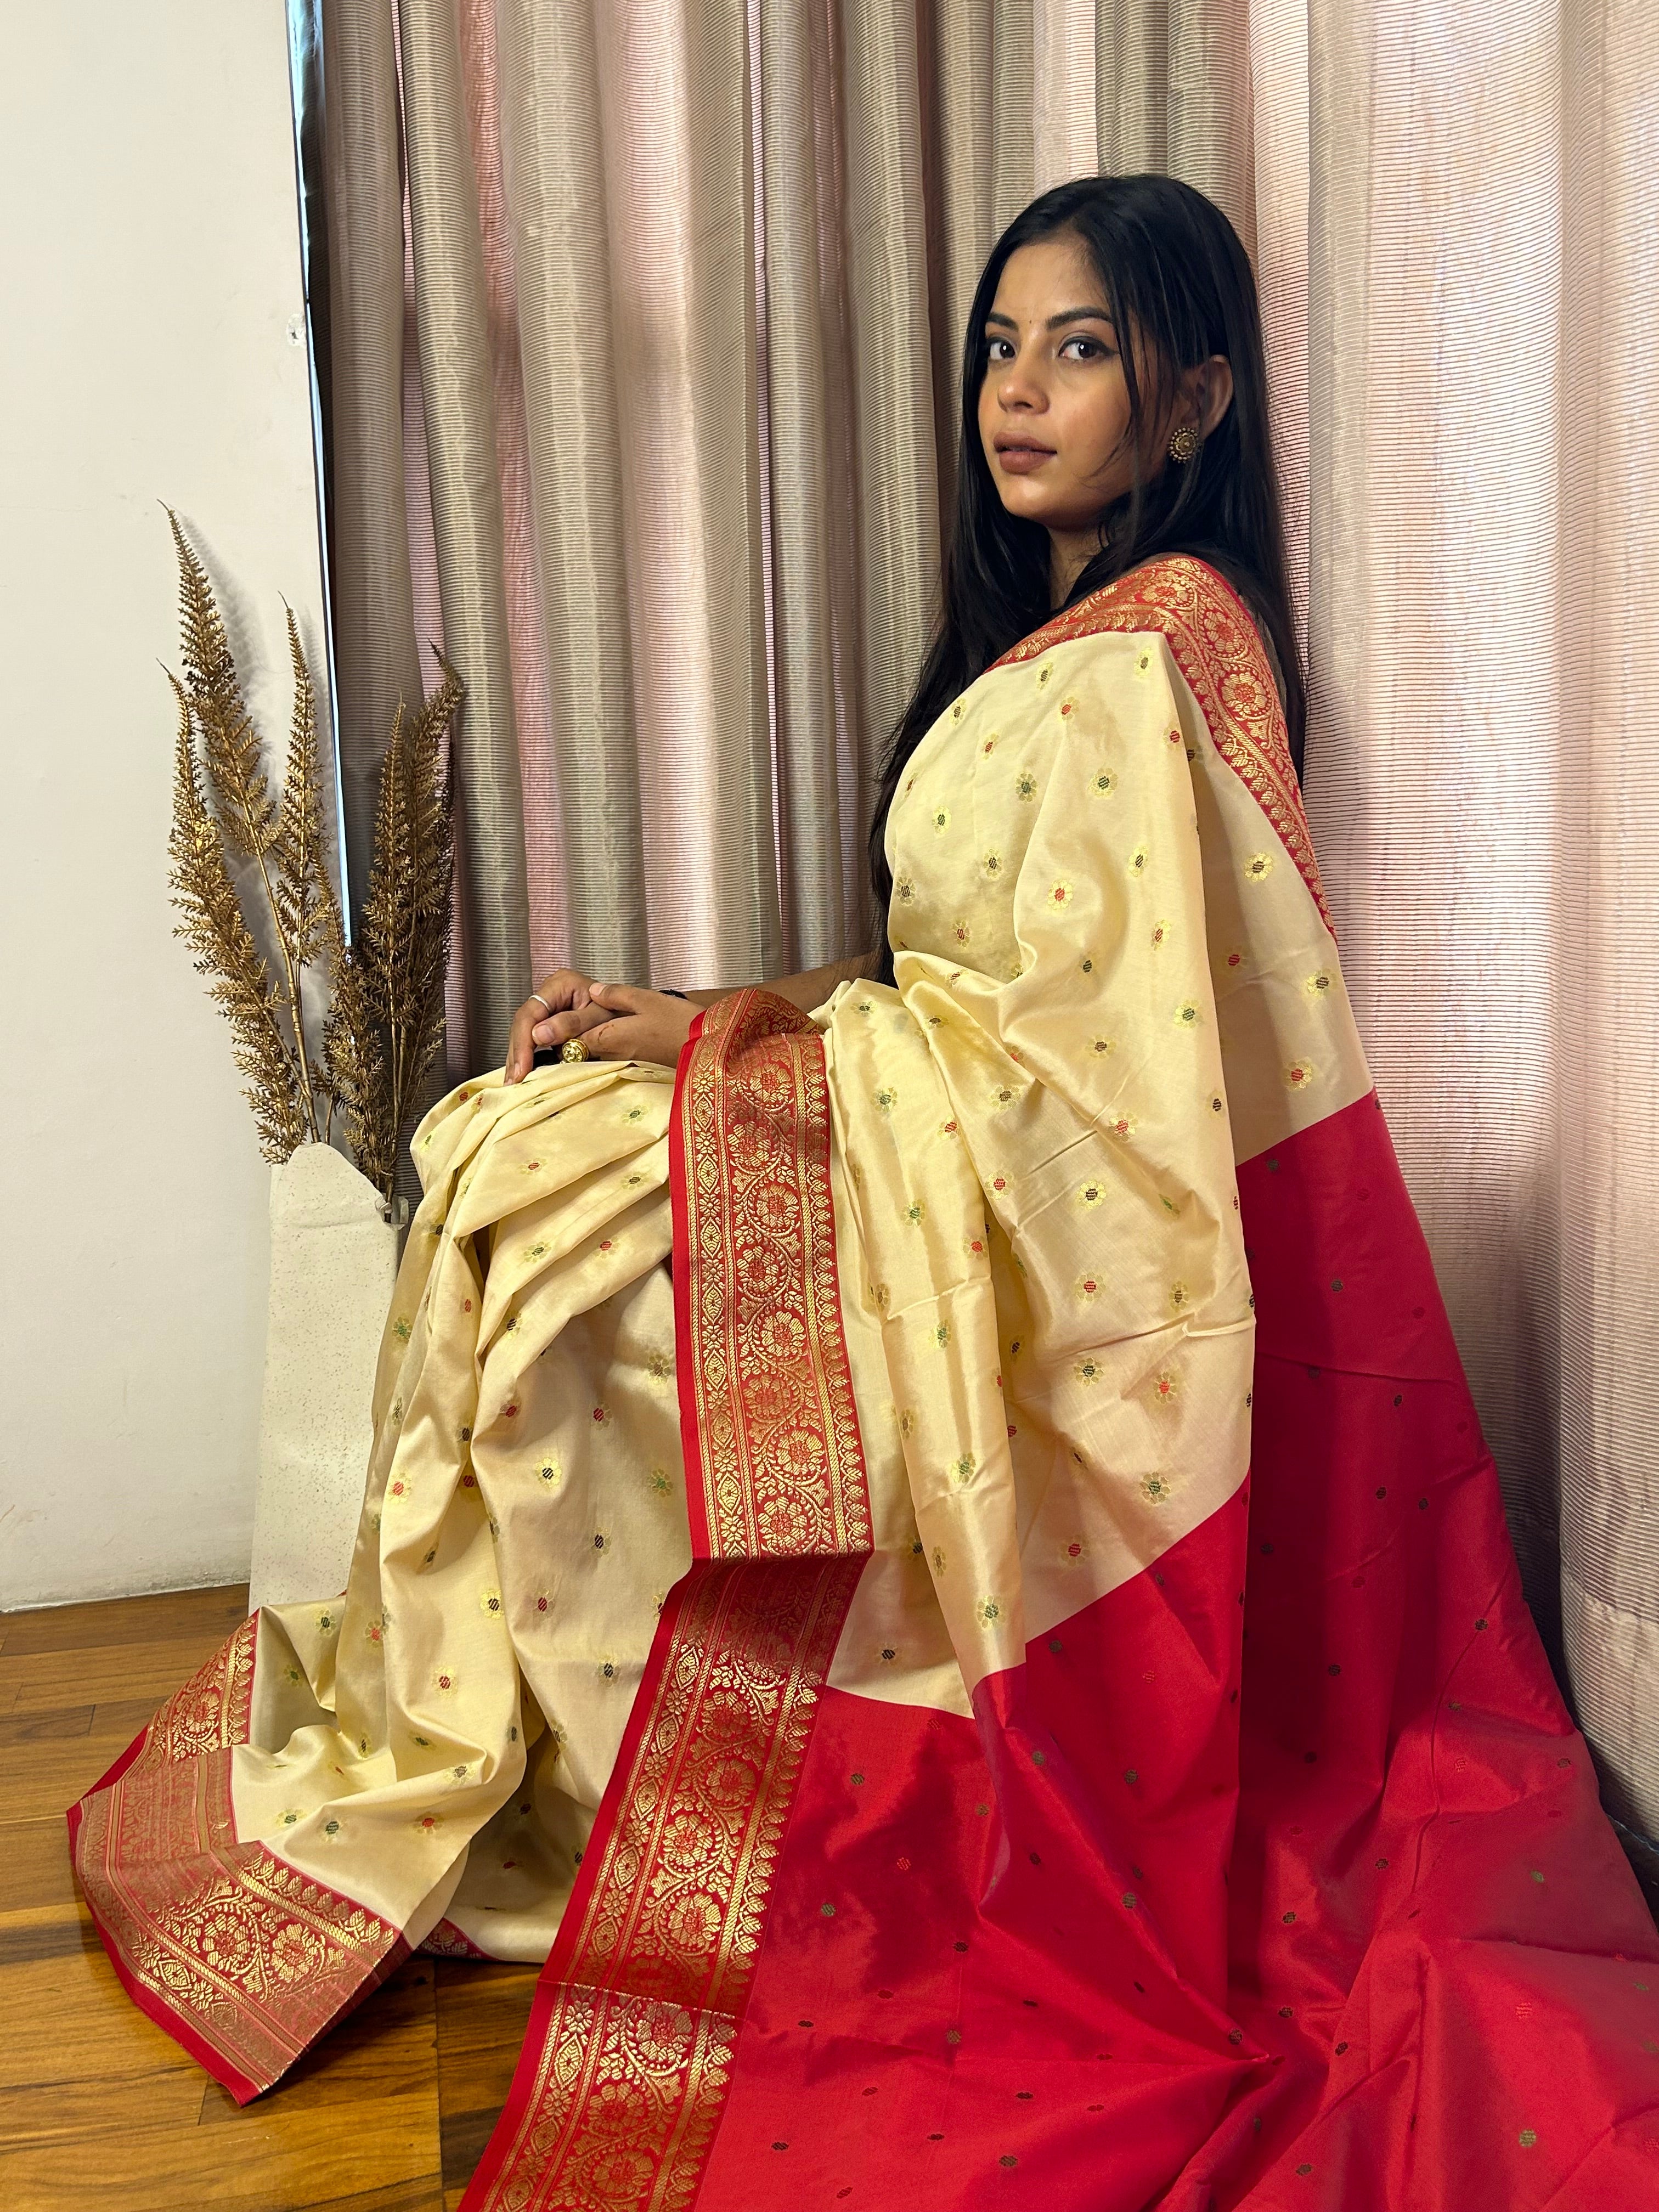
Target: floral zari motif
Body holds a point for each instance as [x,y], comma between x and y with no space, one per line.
[628,2059]
[243,1957]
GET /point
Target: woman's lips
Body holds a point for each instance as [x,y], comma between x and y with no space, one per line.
[1020,460]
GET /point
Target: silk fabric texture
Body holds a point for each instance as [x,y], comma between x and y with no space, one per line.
[942,1564]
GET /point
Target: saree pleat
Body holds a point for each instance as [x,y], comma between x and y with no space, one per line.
[942,1572]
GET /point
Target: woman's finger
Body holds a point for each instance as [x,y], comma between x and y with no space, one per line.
[648,1025]
[519,1048]
[619,1008]
[564,988]
[580,1006]
[619,1036]
[558,1028]
[600,1001]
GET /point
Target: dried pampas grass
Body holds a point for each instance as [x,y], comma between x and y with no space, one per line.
[384,1015]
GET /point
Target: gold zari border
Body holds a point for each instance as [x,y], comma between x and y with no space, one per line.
[776,1432]
[632,2054]
[249,1957]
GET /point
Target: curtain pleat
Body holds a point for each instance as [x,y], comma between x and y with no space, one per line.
[676,126]
[966,90]
[458,413]
[1207,124]
[1172,92]
[1278,126]
[1445,859]
[377,663]
[1433,772]
[1063,115]
[812,534]
[1013,148]
[555,185]
[689,286]
[1605,1009]
[894,474]
[1132,81]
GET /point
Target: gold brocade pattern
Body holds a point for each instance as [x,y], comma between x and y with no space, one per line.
[211,1709]
[1218,651]
[246,1954]
[777,1442]
[632,2061]
[628,2061]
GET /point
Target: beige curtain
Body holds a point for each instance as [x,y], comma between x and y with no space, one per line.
[644,377]
[646,319]
[1484,281]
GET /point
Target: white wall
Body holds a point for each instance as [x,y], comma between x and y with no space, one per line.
[150,273]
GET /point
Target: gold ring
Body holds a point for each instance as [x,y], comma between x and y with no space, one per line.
[574,1049]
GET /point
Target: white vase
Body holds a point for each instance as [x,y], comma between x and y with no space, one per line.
[333,1264]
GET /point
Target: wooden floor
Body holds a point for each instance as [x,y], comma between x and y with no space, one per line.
[98,2108]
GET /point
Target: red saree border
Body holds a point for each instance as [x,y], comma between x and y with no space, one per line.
[626,2060]
[773,1461]
[241,1958]
[1216,646]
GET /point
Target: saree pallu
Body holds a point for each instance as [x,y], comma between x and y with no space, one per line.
[940,1567]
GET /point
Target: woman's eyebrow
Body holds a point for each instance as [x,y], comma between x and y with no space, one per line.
[1056,322]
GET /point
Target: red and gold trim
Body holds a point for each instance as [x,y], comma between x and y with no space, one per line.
[447,1941]
[628,2058]
[240,1957]
[1209,630]
[773,1465]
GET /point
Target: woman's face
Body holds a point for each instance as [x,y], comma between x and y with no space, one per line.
[1053,408]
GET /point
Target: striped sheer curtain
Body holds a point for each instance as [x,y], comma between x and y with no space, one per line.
[642,392]
[1484,281]
[645,322]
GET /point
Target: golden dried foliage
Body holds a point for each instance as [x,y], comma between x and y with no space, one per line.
[216,931]
[230,746]
[354,1065]
[383,1019]
[404,948]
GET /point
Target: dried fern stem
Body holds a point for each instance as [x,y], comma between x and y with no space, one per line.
[381,1000]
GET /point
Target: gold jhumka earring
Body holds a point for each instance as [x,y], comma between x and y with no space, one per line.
[1184,443]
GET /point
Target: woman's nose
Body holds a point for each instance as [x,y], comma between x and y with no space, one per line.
[1017,388]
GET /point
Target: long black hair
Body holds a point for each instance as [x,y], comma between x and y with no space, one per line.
[1180,287]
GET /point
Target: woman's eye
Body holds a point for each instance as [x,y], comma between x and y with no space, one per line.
[1002,350]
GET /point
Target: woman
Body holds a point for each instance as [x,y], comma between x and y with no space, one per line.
[806,1589]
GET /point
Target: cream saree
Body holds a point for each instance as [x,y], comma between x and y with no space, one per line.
[810,1590]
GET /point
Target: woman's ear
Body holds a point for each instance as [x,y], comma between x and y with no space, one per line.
[1203,395]
[1213,390]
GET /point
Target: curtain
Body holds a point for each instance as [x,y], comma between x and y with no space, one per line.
[648,334]
[646,318]
[1483,264]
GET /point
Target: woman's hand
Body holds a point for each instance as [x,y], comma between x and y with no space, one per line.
[614,1020]
[546,1019]
[636,1024]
